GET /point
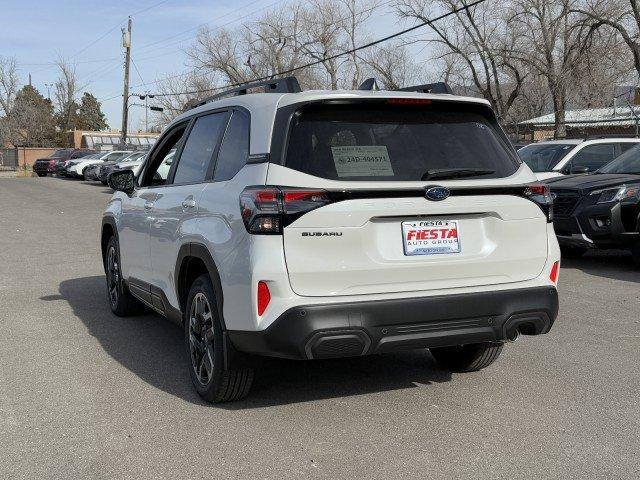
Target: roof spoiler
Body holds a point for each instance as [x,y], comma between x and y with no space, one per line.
[291,85]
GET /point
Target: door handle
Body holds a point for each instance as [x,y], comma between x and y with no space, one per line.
[148,205]
[188,203]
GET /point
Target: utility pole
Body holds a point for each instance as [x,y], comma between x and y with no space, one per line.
[126,43]
[146,112]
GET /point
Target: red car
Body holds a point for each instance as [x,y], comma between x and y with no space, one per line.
[46,165]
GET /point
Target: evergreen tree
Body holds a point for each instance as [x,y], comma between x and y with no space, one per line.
[32,122]
[90,116]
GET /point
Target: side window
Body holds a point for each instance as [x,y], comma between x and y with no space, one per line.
[235,147]
[626,146]
[594,156]
[199,148]
[162,159]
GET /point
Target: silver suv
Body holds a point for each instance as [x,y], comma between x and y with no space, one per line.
[320,224]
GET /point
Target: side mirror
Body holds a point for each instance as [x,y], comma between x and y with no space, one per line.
[122,181]
[578,169]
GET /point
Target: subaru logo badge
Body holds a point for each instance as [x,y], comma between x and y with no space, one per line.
[437,194]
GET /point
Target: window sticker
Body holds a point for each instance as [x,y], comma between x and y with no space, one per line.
[362,161]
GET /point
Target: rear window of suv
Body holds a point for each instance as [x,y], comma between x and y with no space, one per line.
[397,142]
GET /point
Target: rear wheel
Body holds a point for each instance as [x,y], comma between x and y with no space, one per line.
[41,174]
[467,358]
[122,303]
[204,344]
[573,252]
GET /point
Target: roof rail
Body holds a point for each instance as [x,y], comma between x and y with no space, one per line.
[609,135]
[438,87]
[276,85]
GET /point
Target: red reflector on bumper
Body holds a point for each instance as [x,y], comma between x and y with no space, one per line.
[553,276]
[264,297]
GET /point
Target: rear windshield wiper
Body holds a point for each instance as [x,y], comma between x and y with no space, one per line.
[442,173]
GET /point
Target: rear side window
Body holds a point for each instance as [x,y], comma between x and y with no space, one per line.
[397,142]
[235,147]
[594,156]
[199,148]
[543,157]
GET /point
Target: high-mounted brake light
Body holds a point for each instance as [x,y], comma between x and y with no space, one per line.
[541,195]
[409,101]
[267,210]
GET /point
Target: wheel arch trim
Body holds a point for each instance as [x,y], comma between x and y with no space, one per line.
[201,252]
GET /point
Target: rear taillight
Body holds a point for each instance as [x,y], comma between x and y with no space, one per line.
[267,210]
[541,195]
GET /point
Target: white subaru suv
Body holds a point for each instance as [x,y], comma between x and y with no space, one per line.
[323,224]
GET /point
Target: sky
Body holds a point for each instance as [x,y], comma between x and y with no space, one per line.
[87,33]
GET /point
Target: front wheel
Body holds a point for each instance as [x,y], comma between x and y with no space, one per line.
[41,174]
[467,358]
[204,343]
[122,303]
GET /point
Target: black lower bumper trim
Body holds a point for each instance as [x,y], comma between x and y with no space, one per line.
[360,328]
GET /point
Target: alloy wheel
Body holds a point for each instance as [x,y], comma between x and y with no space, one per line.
[201,336]
[113,275]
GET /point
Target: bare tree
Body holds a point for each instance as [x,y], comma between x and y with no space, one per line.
[552,41]
[392,65]
[173,100]
[623,16]
[480,38]
[65,94]
[8,91]
[357,14]
[262,48]
[322,36]
[8,83]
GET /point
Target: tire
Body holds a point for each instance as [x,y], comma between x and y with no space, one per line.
[204,344]
[104,182]
[122,303]
[635,252]
[467,358]
[41,174]
[572,252]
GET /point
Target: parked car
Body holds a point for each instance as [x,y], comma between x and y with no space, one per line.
[77,170]
[67,167]
[553,158]
[47,165]
[324,224]
[107,167]
[601,210]
[91,172]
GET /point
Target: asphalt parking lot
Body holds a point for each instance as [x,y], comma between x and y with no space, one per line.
[84,394]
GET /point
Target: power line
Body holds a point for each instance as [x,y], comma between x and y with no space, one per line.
[147,45]
[91,44]
[368,10]
[331,57]
[136,69]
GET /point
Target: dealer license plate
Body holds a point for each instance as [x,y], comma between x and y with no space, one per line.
[431,237]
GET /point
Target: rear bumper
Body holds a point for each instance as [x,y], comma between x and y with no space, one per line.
[362,328]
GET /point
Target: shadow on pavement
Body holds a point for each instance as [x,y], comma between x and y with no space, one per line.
[152,348]
[614,264]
